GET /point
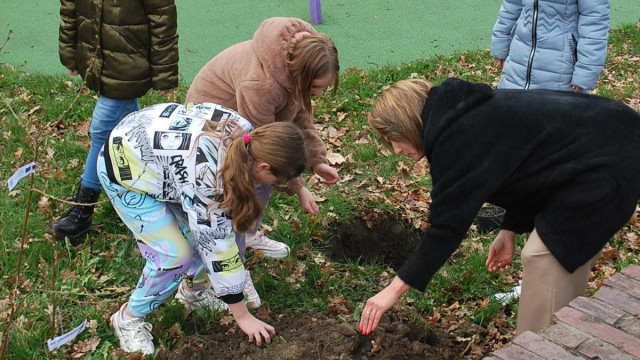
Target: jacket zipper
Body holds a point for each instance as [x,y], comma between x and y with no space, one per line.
[534,25]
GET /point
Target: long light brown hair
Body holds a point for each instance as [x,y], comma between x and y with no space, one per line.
[312,58]
[397,115]
[281,146]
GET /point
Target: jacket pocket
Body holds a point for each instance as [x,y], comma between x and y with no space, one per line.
[573,48]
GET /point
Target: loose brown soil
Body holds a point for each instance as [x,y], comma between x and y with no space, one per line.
[324,338]
[328,337]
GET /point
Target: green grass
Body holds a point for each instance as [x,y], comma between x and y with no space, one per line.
[89,281]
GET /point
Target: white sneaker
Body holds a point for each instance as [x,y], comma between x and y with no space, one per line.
[198,300]
[135,334]
[270,248]
[253,299]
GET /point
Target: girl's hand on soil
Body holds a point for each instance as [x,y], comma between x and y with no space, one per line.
[501,250]
[500,63]
[250,325]
[329,174]
[307,202]
[72,72]
[377,305]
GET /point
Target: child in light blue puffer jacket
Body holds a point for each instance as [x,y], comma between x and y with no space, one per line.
[551,44]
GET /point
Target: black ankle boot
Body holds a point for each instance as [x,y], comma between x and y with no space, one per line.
[76,223]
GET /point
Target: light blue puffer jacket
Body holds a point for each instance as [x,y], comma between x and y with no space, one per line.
[551,44]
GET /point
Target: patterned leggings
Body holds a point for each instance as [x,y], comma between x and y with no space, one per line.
[164,240]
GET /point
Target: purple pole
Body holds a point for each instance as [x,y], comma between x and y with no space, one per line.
[316,12]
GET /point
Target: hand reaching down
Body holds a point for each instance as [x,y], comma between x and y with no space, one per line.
[250,325]
[501,250]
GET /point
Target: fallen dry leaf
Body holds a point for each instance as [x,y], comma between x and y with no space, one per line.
[335,158]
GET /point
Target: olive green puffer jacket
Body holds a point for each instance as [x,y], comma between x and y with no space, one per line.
[123,47]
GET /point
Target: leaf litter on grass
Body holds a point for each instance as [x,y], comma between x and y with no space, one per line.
[301,333]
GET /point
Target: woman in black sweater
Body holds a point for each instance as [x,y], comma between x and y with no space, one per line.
[565,166]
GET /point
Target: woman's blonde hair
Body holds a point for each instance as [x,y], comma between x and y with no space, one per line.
[279,144]
[397,115]
[312,58]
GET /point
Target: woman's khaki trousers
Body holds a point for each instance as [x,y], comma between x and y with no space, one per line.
[546,285]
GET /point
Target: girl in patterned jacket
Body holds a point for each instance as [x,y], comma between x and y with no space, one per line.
[182,177]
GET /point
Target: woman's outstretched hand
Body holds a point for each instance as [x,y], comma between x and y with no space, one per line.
[250,325]
[377,305]
[501,250]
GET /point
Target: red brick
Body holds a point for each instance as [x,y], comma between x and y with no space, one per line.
[619,299]
[597,309]
[513,352]
[624,283]
[631,325]
[632,271]
[598,329]
[543,347]
[598,350]
[562,335]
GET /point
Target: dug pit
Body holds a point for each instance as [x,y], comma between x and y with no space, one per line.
[388,243]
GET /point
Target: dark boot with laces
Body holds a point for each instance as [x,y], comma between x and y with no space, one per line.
[76,223]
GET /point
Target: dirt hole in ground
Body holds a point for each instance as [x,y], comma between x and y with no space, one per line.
[322,338]
[389,242]
[326,336]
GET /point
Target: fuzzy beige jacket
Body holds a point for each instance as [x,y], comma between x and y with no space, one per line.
[252,77]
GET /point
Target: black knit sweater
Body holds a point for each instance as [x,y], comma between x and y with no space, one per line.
[567,164]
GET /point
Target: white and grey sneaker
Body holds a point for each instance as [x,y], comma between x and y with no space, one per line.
[253,299]
[135,334]
[270,248]
[198,300]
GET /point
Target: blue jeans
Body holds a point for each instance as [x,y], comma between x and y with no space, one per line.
[106,115]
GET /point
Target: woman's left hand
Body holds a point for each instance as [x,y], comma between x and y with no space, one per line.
[501,250]
[329,174]
[377,305]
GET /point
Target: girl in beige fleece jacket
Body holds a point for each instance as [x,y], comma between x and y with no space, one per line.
[272,78]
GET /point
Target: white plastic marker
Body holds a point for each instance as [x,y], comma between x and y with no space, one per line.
[506,298]
[20,173]
[58,341]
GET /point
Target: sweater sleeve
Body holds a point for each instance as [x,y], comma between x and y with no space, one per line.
[68,35]
[593,34]
[466,170]
[518,222]
[316,149]
[257,102]
[163,57]
[503,28]
[456,198]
